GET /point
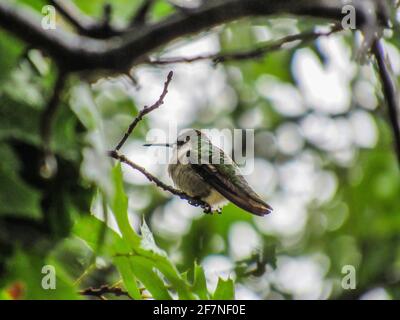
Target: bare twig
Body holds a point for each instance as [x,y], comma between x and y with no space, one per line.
[141,14]
[116,155]
[85,25]
[145,111]
[105,289]
[390,92]
[107,15]
[193,201]
[249,54]
[77,53]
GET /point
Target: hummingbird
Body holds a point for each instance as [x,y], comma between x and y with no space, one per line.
[205,172]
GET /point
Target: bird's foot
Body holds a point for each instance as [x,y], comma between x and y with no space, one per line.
[197,202]
[209,210]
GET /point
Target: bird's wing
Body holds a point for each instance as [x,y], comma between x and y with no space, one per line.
[235,189]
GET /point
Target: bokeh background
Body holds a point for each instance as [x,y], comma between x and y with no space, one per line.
[324,160]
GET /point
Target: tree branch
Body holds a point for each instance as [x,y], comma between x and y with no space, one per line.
[249,54]
[105,289]
[116,155]
[79,53]
[85,25]
[193,201]
[390,93]
[145,111]
[140,17]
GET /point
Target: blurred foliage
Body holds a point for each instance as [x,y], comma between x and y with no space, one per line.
[80,220]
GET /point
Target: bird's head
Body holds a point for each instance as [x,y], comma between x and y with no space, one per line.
[187,139]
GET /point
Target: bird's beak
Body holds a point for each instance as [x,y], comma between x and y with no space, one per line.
[169,145]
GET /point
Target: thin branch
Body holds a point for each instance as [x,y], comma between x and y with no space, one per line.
[193,201]
[140,17]
[66,8]
[105,289]
[116,155]
[145,111]
[249,54]
[77,53]
[107,16]
[48,115]
[85,25]
[390,92]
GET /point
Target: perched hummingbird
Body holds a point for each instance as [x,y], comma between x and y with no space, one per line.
[204,171]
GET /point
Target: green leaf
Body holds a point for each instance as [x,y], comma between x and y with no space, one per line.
[150,256]
[19,198]
[10,51]
[96,166]
[148,242]
[128,277]
[18,120]
[143,268]
[31,278]
[225,290]
[200,283]
[171,273]
[89,229]
[119,206]
[130,267]
[84,106]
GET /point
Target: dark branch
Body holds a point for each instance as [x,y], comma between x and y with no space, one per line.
[193,201]
[85,25]
[107,15]
[116,155]
[259,52]
[100,292]
[139,19]
[145,111]
[78,53]
[390,92]
[81,22]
